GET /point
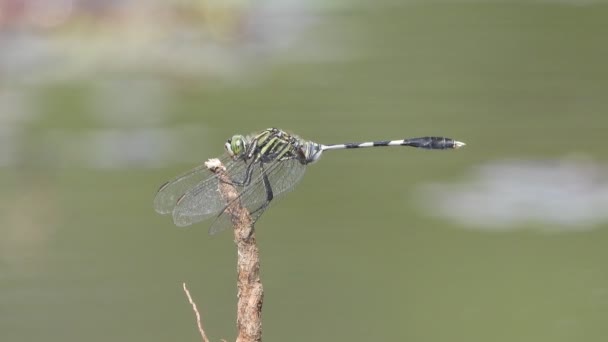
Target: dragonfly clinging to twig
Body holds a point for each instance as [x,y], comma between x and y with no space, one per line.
[262,166]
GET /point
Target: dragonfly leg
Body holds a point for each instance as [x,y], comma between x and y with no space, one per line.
[269,196]
[269,193]
[248,175]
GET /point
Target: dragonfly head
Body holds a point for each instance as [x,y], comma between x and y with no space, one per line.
[236,146]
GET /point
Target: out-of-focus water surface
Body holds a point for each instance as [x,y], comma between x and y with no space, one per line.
[505,240]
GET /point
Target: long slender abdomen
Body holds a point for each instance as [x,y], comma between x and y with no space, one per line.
[431,143]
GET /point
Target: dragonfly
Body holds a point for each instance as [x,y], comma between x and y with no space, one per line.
[262,167]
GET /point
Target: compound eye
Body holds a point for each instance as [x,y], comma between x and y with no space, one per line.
[237,145]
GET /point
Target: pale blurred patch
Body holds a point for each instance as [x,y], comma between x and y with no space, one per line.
[121,148]
[131,102]
[47,13]
[28,219]
[570,194]
[9,145]
[15,107]
[16,110]
[58,40]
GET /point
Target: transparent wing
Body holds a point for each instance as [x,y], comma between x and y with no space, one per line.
[282,176]
[169,193]
[287,176]
[203,200]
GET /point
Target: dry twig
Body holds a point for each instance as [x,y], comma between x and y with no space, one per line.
[198,315]
[250,291]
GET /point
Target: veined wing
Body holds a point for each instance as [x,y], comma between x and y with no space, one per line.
[204,200]
[282,176]
[199,177]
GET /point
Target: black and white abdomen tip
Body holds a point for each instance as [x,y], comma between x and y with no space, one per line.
[433,143]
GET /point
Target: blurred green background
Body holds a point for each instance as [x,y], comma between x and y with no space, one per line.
[96,115]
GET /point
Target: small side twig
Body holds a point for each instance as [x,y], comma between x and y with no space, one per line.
[198,315]
[250,293]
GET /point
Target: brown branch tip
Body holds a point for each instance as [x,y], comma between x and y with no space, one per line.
[250,293]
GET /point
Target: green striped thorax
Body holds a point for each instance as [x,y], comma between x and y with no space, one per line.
[273,144]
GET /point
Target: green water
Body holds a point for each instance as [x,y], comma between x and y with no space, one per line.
[348,256]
